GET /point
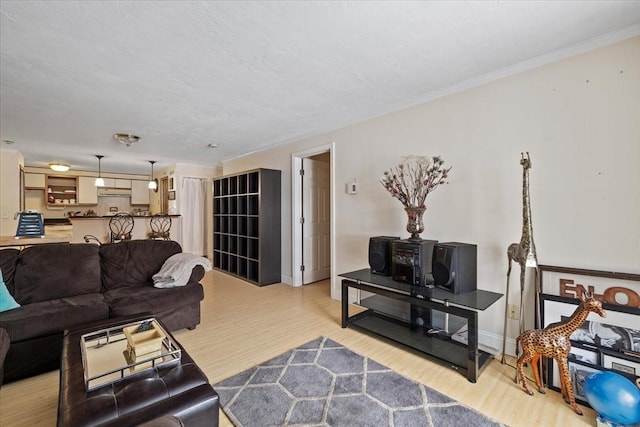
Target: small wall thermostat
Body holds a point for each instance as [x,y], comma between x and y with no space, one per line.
[352,188]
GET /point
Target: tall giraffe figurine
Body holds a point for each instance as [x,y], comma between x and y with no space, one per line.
[524,253]
[554,341]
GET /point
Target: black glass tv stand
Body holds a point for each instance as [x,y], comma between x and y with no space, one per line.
[386,317]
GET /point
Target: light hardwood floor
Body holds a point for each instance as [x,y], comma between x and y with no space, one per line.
[243,325]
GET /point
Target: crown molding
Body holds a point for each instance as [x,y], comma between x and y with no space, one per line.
[548,58]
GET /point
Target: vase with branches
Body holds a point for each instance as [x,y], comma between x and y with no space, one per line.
[411,182]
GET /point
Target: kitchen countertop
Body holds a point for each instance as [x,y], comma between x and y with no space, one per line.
[6,241]
[99,226]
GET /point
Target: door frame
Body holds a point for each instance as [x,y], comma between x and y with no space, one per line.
[296,212]
[164,194]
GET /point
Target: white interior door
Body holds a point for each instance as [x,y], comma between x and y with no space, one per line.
[316,223]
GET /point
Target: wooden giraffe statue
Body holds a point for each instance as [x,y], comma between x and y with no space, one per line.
[524,253]
[554,341]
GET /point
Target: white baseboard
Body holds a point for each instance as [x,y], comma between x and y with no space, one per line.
[287,280]
[492,343]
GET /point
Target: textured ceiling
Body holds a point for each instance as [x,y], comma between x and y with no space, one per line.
[248,75]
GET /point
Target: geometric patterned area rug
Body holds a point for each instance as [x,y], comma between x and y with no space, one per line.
[323,383]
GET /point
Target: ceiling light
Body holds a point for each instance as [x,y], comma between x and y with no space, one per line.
[59,167]
[126,138]
[212,145]
[153,183]
[99,180]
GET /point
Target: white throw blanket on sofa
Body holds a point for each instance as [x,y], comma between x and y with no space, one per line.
[177,270]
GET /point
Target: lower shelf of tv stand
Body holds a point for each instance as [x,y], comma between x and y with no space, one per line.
[443,349]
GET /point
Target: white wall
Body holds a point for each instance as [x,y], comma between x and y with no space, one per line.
[10,163]
[579,119]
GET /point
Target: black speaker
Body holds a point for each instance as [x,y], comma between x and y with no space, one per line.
[454,266]
[420,318]
[380,254]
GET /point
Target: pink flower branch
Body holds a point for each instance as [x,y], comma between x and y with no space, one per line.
[412,180]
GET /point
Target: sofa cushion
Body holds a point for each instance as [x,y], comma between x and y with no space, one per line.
[50,317]
[47,272]
[8,260]
[133,263]
[6,299]
[131,300]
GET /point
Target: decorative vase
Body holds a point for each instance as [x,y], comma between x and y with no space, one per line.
[414,221]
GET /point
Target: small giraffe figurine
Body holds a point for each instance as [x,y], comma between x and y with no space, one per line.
[554,341]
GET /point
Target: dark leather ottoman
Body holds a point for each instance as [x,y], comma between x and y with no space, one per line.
[179,392]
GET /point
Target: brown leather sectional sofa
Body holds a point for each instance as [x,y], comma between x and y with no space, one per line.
[66,286]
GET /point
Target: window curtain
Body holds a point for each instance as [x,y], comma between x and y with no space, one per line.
[193,215]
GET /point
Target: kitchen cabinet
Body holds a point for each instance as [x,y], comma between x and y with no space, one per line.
[61,190]
[109,182]
[87,191]
[122,183]
[117,183]
[139,192]
[34,181]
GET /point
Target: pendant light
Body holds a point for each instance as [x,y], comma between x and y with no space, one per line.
[99,180]
[153,184]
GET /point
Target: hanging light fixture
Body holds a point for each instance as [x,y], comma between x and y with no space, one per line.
[99,180]
[59,167]
[153,183]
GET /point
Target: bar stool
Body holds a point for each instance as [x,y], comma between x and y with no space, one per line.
[120,227]
[160,225]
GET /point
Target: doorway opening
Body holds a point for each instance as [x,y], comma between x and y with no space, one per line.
[164,195]
[313,211]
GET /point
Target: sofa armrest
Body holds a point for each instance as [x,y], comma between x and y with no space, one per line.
[197,274]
